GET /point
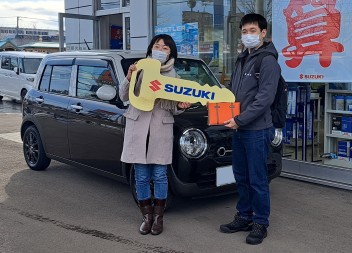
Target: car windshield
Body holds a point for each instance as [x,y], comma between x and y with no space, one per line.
[31,65]
[188,69]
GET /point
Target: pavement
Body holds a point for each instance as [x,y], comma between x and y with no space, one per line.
[65,209]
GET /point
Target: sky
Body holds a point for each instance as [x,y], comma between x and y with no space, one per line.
[33,13]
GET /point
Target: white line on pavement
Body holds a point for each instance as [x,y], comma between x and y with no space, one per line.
[16,137]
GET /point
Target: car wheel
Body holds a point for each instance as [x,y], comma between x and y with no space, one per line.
[23,94]
[1,97]
[170,195]
[33,150]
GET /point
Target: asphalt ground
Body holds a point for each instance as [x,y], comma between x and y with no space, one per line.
[65,209]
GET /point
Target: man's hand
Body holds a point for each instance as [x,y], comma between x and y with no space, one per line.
[231,123]
[183,105]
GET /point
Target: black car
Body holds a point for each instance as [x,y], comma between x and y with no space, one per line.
[65,119]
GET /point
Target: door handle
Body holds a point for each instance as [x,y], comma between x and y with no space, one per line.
[77,107]
[39,100]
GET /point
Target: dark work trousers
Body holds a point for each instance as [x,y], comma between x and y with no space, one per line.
[249,160]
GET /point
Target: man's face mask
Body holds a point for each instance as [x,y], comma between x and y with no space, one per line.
[159,55]
[250,40]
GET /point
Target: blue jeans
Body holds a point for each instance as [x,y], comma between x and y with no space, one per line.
[250,150]
[144,174]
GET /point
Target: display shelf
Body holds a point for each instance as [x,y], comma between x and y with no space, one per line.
[331,140]
[338,162]
[339,112]
[339,136]
[339,91]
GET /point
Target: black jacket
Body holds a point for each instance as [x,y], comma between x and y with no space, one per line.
[255,95]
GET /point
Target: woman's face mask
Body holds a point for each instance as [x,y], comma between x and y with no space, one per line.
[250,40]
[159,55]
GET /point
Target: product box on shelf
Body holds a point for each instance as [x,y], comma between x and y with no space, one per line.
[336,124]
[346,126]
[288,131]
[291,101]
[340,102]
[344,150]
[348,103]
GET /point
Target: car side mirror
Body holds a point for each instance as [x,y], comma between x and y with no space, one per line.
[106,92]
[16,70]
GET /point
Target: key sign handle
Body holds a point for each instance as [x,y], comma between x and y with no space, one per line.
[154,85]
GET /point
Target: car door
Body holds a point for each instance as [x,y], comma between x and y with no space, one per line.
[4,72]
[13,80]
[95,127]
[50,104]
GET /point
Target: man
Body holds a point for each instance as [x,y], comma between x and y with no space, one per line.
[252,129]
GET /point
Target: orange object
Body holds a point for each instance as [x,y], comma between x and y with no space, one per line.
[218,113]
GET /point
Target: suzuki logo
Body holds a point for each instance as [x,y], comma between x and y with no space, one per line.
[155,85]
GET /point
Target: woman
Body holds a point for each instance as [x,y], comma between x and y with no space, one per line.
[149,138]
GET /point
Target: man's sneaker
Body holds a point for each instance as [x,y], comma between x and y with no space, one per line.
[238,224]
[257,235]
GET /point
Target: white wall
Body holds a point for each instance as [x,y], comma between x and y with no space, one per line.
[78,30]
[141,28]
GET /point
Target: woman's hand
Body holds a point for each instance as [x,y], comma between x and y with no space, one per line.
[183,105]
[130,70]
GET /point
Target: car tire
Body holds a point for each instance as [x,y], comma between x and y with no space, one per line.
[33,150]
[170,195]
[23,94]
[1,97]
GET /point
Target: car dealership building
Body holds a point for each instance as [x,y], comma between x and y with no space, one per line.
[313,39]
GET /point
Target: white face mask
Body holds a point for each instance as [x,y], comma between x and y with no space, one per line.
[159,55]
[250,40]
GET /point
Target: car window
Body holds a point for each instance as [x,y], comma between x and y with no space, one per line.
[195,70]
[30,65]
[91,78]
[188,69]
[5,63]
[60,79]
[125,63]
[44,84]
[13,63]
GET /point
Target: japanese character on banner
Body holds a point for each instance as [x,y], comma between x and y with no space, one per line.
[312,26]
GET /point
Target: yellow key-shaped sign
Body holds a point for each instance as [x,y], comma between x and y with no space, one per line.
[154,85]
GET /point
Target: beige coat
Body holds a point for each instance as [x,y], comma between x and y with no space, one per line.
[158,123]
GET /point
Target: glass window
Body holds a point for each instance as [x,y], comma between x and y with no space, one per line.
[195,70]
[128,33]
[208,28]
[14,63]
[31,65]
[5,63]
[90,79]
[125,3]
[60,79]
[189,69]
[109,4]
[44,84]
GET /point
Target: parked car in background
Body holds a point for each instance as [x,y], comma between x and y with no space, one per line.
[17,72]
[66,117]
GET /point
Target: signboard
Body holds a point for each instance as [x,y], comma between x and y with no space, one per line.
[314,39]
[185,36]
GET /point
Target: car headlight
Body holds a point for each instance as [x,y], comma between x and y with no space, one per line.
[193,143]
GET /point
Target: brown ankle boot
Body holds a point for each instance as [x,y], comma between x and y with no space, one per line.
[159,207]
[147,211]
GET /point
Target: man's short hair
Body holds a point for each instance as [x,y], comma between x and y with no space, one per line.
[254,18]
